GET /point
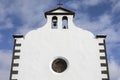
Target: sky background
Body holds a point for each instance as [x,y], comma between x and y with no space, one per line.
[97,16]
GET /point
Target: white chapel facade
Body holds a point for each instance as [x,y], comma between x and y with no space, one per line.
[59,51]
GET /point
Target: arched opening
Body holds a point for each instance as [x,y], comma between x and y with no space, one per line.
[54,22]
[65,22]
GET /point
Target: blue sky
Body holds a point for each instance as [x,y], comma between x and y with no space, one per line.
[97,16]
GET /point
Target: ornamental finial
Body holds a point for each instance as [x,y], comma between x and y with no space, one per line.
[59,4]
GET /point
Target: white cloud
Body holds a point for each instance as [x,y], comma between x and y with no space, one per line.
[2,13]
[5,21]
[73,4]
[7,24]
[112,35]
[31,13]
[92,2]
[5,63]
[102,25]
[96,26]
[4,74]
[76,4]
[24,30]
[114,69]
[115,6]
[1,37]
[105,19]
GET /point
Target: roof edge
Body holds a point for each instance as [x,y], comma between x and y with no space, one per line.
[50,12]
[101,36]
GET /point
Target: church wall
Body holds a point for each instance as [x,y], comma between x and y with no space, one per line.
[84,54]
[45,46]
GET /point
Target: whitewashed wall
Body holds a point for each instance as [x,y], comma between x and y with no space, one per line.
[40,47]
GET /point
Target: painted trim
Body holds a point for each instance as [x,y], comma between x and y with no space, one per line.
[105,79]
[106,61]
[100,36]
[61,9]
[102,51]
[101,44]
[17,44]
[58,14]
[50,12]
[16,51]
[16,57]
[103,64]
[104,72]
[102,57]
[15,72]
[15,64]
[18,36]
[12,60]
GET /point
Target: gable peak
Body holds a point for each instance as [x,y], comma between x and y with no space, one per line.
[59,11]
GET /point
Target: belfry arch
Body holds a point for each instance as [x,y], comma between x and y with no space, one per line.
[54,22]
[64,22]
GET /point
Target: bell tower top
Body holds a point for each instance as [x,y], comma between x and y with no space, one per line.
[59,11]
[59,18]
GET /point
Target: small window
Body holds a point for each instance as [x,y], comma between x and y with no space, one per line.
[65,22]
[54,22]
[59,65]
